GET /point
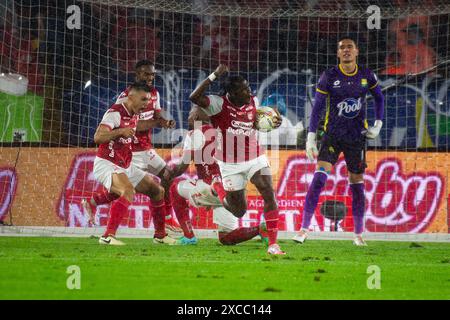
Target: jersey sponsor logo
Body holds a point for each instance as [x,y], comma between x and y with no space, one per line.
[364,83]
[147,115]
[242,125]
[8,185]
[336,83]
[349,108]
[125,141]
[239,132]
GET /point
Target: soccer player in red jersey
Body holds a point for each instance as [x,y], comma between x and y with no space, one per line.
[144,155]
[199,147]
[238,153]
[113,167]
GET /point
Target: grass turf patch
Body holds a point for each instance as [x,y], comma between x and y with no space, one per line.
[36,268]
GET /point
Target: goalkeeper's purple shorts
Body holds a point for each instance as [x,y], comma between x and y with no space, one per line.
[354,152]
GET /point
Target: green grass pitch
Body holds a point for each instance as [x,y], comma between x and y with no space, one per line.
[36,268]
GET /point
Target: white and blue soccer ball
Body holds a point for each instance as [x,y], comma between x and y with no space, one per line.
[265,119]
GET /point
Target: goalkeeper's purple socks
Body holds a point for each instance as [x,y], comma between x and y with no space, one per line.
[312,197]
[358,206]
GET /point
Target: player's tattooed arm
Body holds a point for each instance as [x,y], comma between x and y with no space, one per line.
[198,95]
[104,134]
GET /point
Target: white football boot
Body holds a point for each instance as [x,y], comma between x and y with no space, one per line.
[165,240]
[110,240]
[301,236]
[359,241]
[275,250]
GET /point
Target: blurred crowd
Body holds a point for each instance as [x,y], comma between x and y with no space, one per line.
[35,42]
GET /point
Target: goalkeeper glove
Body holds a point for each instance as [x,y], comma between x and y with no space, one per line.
[311,146]
[374,131]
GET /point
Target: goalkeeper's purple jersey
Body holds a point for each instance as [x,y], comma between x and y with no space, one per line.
[346,100]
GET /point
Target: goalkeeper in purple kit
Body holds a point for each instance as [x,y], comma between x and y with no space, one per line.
[342,91]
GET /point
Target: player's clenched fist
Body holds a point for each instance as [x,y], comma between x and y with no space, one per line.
[311,146]
[127,132]
[220,70]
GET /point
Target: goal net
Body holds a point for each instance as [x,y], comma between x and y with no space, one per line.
[63,63]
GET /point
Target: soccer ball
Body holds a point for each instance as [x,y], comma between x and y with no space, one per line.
[265,118]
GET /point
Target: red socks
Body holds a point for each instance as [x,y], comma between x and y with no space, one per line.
[271,218]
[104,197]
[238,235]
[118,209]
[159,215]
[181,209]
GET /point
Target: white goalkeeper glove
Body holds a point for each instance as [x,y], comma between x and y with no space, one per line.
[374,131]
[311,146]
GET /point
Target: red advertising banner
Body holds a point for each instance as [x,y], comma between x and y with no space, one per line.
[405,191]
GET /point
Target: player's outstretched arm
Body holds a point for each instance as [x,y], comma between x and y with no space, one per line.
[104,134]
[198,95]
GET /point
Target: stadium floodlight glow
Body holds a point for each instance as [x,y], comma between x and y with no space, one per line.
[88,83]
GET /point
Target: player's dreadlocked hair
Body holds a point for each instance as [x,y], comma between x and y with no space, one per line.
[143,63]
[231,83]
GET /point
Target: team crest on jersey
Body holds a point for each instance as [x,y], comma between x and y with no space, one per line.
[364,83]
[349,108]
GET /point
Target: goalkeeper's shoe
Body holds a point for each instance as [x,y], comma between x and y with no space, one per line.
[264,234]
[90,209]
[275,250]
[173,227]
[165,240]
[301,236]
[110,240]
[183,241]
[359,241]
